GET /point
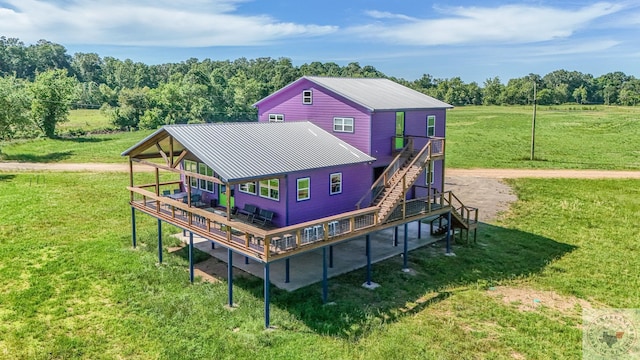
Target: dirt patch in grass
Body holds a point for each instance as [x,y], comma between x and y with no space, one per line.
[491,196]
[526,299]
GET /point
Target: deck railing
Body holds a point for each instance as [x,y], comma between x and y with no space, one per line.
[467,214]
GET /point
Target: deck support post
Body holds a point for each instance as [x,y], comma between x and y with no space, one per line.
[213,245]
[395,236]
[331,256]
[475,235]
[368,249]
[266,295]
[246,260]
[449,232]
[325,282]
[133,227]
[191,257]
[405,255]
[286,270]
[160,241]
[230,276]
[420,229]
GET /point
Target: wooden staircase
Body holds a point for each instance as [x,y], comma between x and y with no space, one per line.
[390,190]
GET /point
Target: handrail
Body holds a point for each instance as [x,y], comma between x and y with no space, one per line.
[426,149]
[384,175]
[463,211]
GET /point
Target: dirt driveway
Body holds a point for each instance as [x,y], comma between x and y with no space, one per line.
[481,188]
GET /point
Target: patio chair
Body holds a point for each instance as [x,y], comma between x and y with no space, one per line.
[248,210]
[264,217]
[166,192]
[176,191]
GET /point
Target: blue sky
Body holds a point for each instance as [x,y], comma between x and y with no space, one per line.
[402,38]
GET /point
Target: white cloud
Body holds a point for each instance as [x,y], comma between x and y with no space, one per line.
[507,24]
[387,15]
[182,23]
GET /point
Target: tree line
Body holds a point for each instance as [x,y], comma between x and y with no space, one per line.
[40,82]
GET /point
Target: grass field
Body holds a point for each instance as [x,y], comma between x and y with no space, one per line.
[597,137]
[87,120]
[72,287]
[569,136]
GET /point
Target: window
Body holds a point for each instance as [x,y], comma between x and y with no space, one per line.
[429,175]
[205,170]
[343,124]
[335,183]
[304,188]
[249,188]
[431,125]
[307,97]
[270,189]
[276,117]
[192,166]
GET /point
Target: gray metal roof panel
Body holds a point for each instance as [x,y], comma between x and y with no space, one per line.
[237,151]
[378,94]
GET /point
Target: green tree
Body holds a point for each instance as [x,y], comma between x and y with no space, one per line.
[52,93]
[14,106]
[492,92]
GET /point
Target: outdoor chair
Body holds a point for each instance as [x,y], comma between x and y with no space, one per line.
[248,210]
[166,192]
[264,217]
[176,191]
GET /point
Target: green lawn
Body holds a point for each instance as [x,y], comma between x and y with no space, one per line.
[87,120]
[72,287]
[571,137]
[598,137]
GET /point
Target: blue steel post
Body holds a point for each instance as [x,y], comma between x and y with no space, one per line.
[368,247]
[286,270]
[449,232]
[191,257]
[325,286]
[159,241]
[406,245]
[266,295]
[331,256]
[395,236]
[230,276]
[419,229]
[133,227]
[213,245]
[246,260]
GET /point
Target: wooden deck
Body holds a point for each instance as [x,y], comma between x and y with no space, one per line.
[270,244]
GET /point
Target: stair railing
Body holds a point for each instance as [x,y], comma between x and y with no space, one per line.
[381,183]
[467,214]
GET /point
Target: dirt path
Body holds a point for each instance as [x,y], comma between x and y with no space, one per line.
[481,188]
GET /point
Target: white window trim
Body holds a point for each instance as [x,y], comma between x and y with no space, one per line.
[331,192]
[191,166]
[298,181]
[431,117]
[339,124]
[307,97]
[276,117]
[269,188]
[244,188]
[430,175]
[205,185]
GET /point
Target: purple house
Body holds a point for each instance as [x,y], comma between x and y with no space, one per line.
[329,161]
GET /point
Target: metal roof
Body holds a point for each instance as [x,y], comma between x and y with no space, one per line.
[378,94]
[238,151]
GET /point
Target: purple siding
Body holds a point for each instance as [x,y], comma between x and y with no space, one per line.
[325,107]
[321,203]
[278,207]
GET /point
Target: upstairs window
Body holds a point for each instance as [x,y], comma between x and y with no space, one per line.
[307,97]
[341,124]
[431,126]
[429,175]
[276,117]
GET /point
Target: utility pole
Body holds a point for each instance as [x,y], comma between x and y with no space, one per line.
[533,123]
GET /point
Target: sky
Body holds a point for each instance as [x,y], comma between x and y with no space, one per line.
[402,38]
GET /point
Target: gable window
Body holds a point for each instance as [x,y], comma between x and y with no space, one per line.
[335,183]
[248,188]
[192,166]
[304,187]
[307,97]
[276,117]
[270,189]
[205,170]
[431,125]
[343,124]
